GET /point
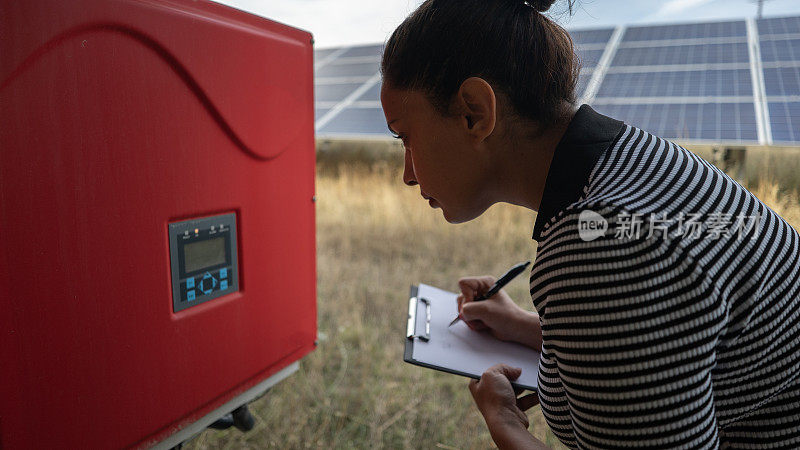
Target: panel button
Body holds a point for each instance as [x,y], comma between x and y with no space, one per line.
[223,273]
[190,295]
[189,283]
[223,284]
[208,283]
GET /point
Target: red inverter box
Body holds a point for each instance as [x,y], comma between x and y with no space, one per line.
[157,234]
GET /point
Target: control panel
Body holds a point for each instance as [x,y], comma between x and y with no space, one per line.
[203,260]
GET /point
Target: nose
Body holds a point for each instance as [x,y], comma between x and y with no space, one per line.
[409,177]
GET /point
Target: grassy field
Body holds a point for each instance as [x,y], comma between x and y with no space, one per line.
[375,238]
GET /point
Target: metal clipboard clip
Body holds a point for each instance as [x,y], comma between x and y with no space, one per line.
[413,306]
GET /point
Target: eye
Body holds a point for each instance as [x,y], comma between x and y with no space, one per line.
[400,136]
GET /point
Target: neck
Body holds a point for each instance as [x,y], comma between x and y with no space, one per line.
[524,159]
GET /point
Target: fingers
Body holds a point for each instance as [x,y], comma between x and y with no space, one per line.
[470,286]
[512,373]
[475,310]
[494,394]
[476,325]
[474,314]
[528,401]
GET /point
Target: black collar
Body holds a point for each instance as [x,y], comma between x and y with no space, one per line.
[588,135]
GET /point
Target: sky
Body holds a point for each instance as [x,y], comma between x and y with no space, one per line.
[337,23]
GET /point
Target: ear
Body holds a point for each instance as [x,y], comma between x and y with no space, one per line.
[477,106]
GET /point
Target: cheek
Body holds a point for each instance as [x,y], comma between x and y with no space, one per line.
[436,161]
[427,171]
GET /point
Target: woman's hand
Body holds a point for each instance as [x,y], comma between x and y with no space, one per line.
[498,314]
[501,409]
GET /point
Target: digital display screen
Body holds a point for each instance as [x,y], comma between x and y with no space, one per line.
[203,254]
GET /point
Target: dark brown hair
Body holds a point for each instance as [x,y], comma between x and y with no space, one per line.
[508,43]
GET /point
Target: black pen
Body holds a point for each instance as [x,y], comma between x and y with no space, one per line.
[513,272]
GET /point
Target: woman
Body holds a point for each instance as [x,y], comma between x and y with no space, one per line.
[667,295]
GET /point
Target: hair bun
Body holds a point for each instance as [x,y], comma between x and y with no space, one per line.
[541,5]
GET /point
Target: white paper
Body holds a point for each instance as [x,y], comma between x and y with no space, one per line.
[461,349]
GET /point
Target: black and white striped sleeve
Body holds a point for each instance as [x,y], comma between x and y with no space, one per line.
[631,325]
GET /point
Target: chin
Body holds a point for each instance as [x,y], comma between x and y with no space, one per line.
[456,218]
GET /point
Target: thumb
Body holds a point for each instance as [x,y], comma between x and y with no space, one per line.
[473,386]
[512,373]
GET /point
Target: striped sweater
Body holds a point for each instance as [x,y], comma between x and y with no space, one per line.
[669,299]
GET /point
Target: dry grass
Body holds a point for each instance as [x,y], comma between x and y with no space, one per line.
[375,238]
[783,199]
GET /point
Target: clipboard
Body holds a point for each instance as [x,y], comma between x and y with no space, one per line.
[458,349]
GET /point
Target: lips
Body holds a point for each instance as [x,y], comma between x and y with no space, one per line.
[431,200]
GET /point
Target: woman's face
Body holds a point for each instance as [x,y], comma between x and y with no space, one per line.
[440,155]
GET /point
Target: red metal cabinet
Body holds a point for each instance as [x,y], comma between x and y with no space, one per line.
[117,118]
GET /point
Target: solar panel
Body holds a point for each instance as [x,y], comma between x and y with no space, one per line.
[589,58]
[373,94]
[334,92]
[357,121]
[782,81]
[320,113]
[600,36]
[784,119]
[778,25]
[583,81]
[689,121]
[364,50]
[682,54]
[682,81]
[688,83]
[335,69]
[686,31]
[780,50]
[321,54]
